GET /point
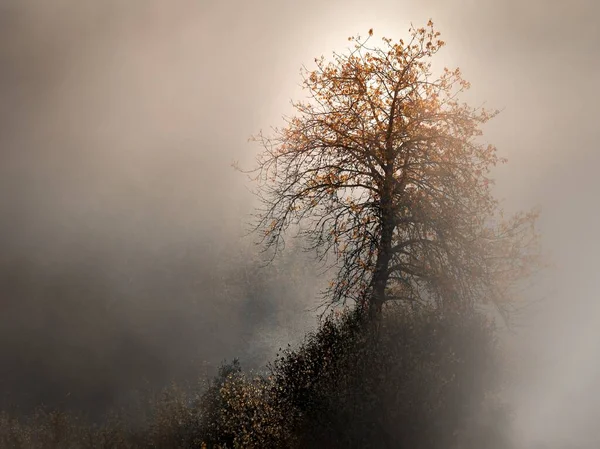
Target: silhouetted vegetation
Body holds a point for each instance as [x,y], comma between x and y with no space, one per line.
[422,379]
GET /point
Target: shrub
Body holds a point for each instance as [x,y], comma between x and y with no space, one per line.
[419,380]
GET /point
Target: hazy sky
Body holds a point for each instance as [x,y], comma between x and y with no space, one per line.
[119,119]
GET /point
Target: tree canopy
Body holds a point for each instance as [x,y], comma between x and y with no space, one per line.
[382,168]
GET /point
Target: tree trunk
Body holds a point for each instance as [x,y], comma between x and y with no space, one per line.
[384,255]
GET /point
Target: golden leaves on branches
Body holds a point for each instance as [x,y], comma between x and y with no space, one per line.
[382,162]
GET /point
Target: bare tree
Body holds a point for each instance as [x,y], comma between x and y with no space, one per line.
[381,167]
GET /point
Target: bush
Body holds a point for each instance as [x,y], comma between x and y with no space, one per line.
[421,379]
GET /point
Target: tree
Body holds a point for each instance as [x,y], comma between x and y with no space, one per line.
[382,168]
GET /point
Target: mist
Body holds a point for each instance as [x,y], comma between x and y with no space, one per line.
[122,222]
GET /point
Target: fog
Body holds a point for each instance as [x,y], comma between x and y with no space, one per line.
[121,220]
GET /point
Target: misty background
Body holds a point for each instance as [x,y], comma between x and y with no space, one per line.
[123,254]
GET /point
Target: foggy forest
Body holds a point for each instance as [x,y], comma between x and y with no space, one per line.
[280,224]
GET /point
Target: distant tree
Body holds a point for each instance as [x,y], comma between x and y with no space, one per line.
[382,169]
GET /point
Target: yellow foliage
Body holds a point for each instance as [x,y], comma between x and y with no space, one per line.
[384,165]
